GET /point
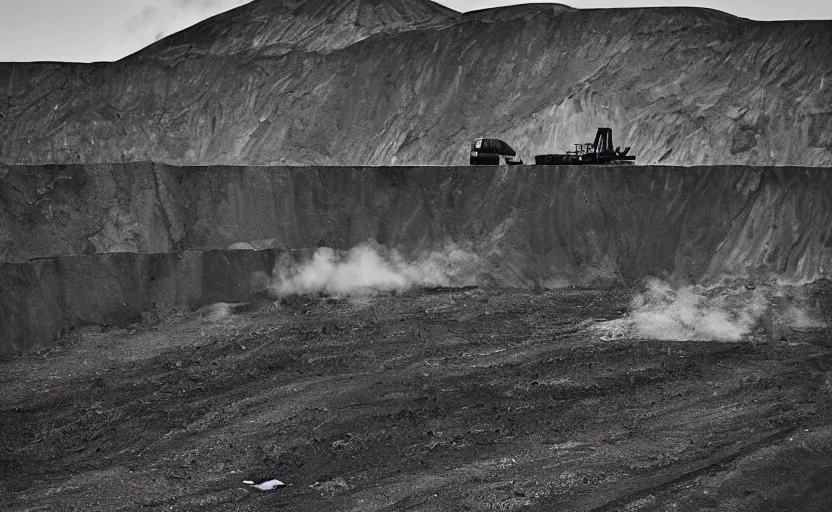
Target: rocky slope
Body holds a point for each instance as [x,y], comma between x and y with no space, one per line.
[544,226]
[423,402]
[371,82]
[276,27]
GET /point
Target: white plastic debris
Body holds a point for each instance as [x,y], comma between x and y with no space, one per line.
[268,485]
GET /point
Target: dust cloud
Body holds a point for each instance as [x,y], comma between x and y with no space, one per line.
[372,268]
[723,312]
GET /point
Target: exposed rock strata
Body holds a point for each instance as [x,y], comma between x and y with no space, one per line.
[533,225]
[44,298]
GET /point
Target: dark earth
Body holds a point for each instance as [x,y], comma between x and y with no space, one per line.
[435,400]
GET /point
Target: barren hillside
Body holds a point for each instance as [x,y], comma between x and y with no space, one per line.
[372,82]
[278,27]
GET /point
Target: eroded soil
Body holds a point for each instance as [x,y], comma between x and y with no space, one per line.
[431,400]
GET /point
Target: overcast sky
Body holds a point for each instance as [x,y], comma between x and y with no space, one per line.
[93,30]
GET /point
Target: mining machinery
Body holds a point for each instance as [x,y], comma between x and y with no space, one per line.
[489,151]
[599,152]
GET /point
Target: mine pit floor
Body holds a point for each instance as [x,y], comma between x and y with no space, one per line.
[428,400]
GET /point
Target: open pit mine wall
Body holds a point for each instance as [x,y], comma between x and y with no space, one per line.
[530,226]
[44,298]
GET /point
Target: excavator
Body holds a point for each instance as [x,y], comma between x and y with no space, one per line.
[599,152]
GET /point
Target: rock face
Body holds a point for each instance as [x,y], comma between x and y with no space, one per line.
[45,298]
[535,225]
[89,234]
[371,82]
[101,244]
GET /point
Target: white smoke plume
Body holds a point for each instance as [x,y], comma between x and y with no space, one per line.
[716,313]
[371,268]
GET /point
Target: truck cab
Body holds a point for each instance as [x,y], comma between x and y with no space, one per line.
[486,151]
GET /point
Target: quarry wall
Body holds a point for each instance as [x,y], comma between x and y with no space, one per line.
[44,298]
[539,222]
[102,243]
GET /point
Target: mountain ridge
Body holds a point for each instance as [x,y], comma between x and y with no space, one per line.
[274,27]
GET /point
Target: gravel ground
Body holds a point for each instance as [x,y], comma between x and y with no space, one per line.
[433,400]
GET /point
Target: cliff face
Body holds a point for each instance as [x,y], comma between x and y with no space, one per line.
[106,244]
[45,298]
[407,82]
[546,226]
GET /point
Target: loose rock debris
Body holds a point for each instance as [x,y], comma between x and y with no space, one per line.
[389,409]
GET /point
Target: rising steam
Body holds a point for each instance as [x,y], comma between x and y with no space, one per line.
[371,268]
[717,313]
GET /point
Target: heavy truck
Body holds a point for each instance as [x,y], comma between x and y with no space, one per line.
[489,151]
[599,152]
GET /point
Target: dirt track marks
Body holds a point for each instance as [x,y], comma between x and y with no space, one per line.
[422,401]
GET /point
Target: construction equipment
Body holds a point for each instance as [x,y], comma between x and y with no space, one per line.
[488,152]
[600,152]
